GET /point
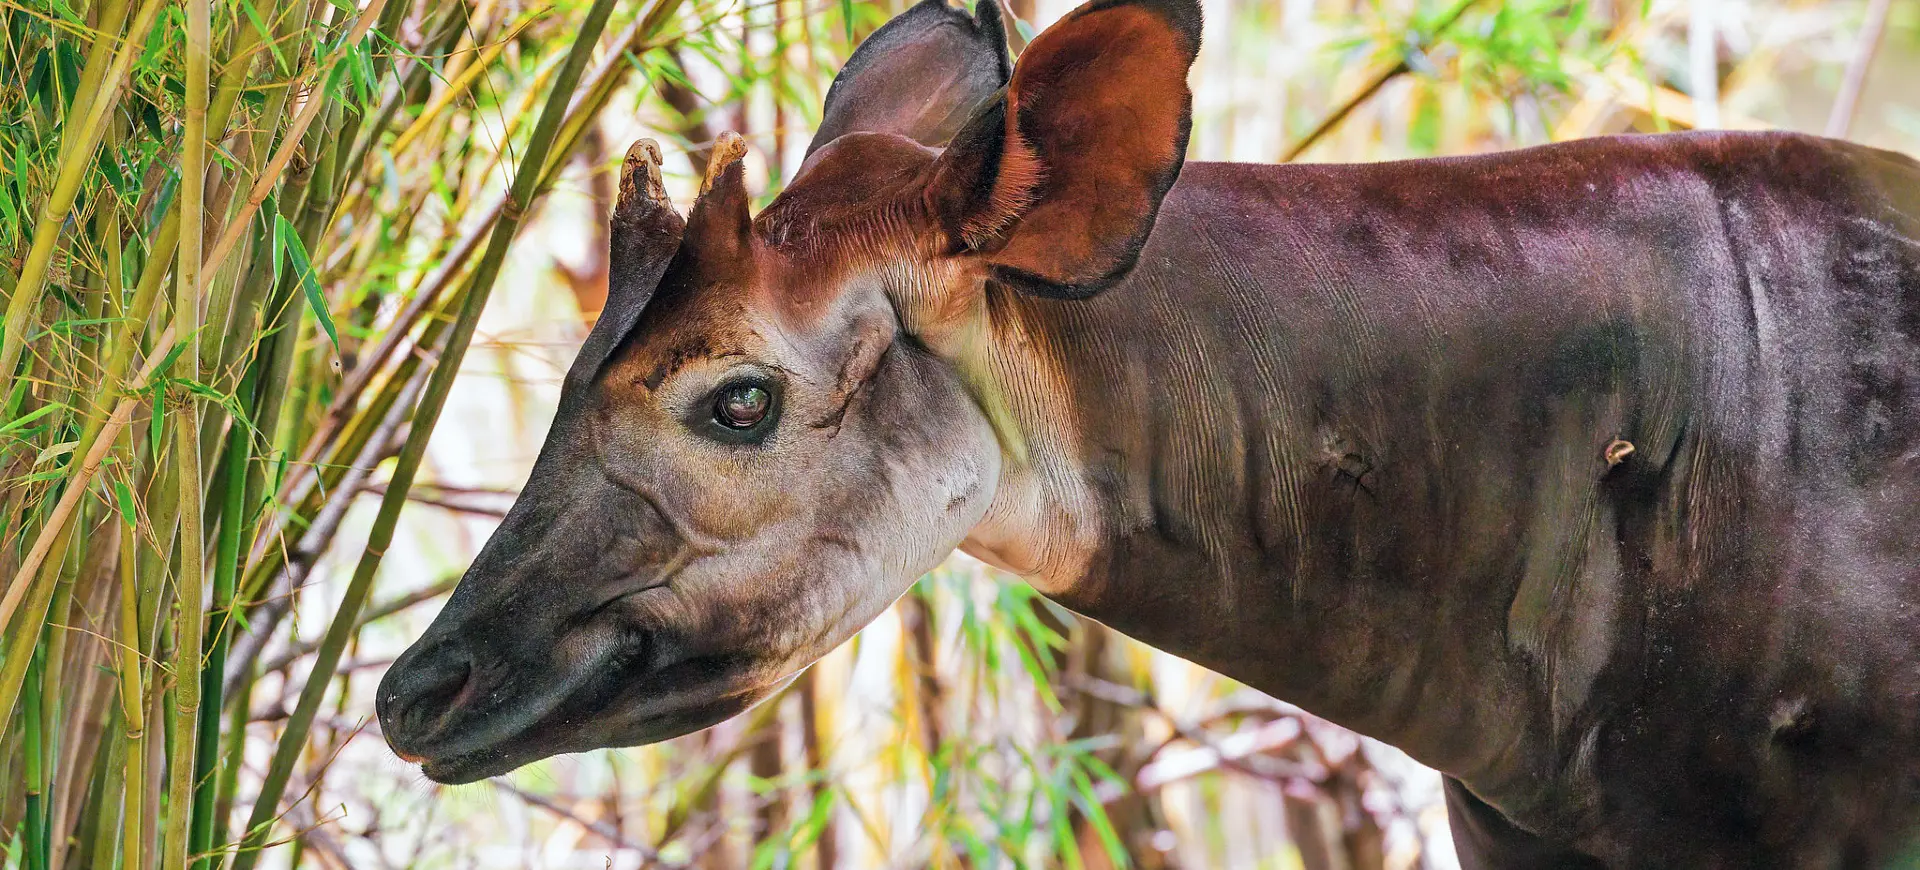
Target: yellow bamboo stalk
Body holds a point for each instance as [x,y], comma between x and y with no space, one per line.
[190,583]
[459,86]
[290,143]
[132,701]
[113,14]
[51,533]
[74,163]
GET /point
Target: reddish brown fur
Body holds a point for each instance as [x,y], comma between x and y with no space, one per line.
[1114,143]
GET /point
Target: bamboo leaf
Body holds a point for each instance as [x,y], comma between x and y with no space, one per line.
[156,423]
[31,416]
[296,251]
[123,499]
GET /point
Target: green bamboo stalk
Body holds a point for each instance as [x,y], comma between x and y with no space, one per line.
[214,669]
[36,854]
[264,183]
[220,307]
[53,694]
[294,737]
[74,163]
[105,802]
[348,453]
[84,758]
[113,14]
[132,698]
[230,768]
[266,560]
[445,31]
[190,585]
[127,338]
[23,637]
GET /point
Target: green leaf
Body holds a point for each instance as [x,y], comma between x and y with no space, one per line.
[110,167]
[42,69]
[18,395]
[66,298]
[266,34]
[150,118]
[7,210]
[166,365]
[123,497]
[67,12]
[55,451]
[279,244]
[846,17]
[309,284]
[156,425]
[67,66]
[31,416]
[1097,815]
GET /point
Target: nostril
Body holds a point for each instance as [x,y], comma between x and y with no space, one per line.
[450,685]
[423,691]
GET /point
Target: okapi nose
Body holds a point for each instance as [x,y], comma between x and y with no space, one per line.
[421,688]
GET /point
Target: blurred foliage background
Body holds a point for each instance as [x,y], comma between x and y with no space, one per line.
[290,287]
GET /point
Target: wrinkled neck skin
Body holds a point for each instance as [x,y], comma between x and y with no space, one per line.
[1246,454]
[1171,462]
[1564,470]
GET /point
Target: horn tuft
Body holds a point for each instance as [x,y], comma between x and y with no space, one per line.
[640,176]
[727,150]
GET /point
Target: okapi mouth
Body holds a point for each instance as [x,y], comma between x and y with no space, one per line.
[642,693]
[469,726]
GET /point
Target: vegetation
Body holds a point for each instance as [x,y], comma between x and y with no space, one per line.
[246,247]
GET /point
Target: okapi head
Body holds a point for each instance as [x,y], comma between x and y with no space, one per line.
[780,421]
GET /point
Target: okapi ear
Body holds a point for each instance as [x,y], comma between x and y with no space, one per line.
[920,75]
[646,235]
[1058,185]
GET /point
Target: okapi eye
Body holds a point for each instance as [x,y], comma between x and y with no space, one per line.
[742,406]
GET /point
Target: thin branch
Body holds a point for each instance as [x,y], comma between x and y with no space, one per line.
[296,651]
[595,826]
[1848,100]
[1340,112]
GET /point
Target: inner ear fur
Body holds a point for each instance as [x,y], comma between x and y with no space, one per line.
[921,75]
[1057,183]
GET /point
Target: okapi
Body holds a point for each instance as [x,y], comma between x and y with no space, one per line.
[1587,474]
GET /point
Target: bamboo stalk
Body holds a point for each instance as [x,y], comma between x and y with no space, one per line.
[1334,118]
[213,669]
[270,175]
[74,163]
[54,533]
[378,446]
[190,582]
[309,473]
[440,383]
[461,83]
[1840,120]
[146,294]
[220,304]
[113,14]
[132,702]
[35,851]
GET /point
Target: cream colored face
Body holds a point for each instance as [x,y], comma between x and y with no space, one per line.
[746,484]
